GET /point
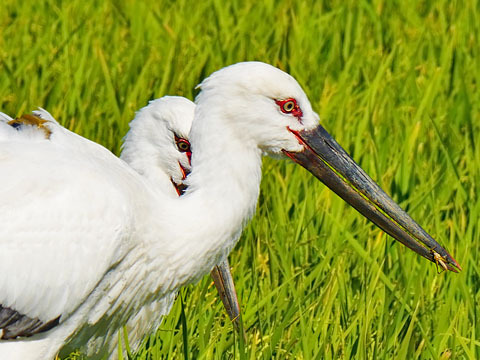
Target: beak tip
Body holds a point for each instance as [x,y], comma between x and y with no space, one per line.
[453,264]
[458,267]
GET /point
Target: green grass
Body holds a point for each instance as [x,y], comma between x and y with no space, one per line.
[397,84]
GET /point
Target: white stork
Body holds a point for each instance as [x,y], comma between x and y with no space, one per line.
[157,147]
[86,242]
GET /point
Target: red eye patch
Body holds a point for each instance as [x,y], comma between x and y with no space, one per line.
[183,145]
[290,106]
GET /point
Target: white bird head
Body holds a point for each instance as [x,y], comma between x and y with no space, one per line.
[157,145]
[261,103]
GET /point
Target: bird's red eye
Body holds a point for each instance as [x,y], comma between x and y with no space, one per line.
[290,106]
[183,145]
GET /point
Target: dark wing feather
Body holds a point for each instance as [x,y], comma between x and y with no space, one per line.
[14,324]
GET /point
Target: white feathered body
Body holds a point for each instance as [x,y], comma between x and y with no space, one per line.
[78,240]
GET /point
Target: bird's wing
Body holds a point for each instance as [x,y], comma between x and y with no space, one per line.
[65,215]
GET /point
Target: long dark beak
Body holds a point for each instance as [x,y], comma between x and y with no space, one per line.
[222,278]
[327,161]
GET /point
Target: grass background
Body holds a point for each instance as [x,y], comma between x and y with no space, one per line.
[397,84]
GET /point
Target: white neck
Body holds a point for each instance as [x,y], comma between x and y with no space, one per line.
[207,220]
[145,151]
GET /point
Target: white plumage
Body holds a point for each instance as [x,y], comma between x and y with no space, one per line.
[86,238]
[63,228]
[150,147]
[157,147]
